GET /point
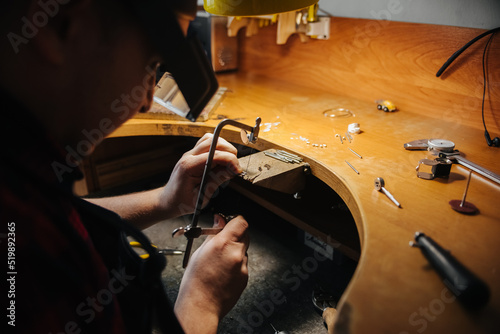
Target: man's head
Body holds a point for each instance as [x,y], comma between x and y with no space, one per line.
[81,66]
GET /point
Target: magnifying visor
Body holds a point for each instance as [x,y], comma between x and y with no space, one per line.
[189,82]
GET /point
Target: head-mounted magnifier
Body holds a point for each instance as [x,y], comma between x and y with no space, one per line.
[189,82]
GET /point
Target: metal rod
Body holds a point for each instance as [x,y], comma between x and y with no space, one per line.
[289,155]
[466,189]
[359,156]
[354,169]
[278,157]
[478,169]
[388,194]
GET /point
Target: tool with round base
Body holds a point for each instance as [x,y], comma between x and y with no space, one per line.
[461,205]
[379,185]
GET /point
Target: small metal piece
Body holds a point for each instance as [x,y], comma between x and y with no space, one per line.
[194,232]
[288,154]
[171,252]
[348,136]
[379,185]
[289,157]
[359,156]
[417,145]
[278,157]
[354,169]
[440,167]
[466,189]
[463,206]
[341,141]
[441,145]
[297,195]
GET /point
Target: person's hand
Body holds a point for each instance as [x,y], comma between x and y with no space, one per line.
[179,195]
[215,277]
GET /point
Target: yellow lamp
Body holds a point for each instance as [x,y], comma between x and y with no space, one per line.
[254,7]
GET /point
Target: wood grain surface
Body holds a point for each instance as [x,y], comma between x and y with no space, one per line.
[370,60]
[394,290]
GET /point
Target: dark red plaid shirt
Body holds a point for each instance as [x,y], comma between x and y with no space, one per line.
[59,282]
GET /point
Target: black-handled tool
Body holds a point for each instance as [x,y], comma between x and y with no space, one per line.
[467,287]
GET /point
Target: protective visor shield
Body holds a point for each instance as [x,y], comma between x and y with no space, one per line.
[190,82]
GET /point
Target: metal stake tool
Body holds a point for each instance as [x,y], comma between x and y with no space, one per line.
[463,206]
[252,138]
[379,185]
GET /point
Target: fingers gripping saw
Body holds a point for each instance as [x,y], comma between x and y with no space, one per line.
[249,134]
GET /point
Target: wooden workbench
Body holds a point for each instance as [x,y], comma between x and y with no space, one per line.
[394,290]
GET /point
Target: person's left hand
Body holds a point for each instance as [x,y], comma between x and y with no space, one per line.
[179,195]
[215,277]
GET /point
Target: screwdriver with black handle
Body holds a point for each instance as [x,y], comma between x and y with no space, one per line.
[471,291]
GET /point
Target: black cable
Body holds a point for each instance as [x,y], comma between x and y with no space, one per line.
[485,78]
[463,48]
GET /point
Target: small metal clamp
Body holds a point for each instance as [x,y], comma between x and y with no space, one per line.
[440,167]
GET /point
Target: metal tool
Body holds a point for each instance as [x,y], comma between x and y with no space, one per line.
[441,145]
[194,232]
[461,205]
[337,135]
[276,331]
[446,150]
[467,287]
[380,186]
[165,251]
[251,137]
[455,156]
[354,169]
[358,155]
[440,167]
[348,135]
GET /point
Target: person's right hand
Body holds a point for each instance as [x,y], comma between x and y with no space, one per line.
[215,277]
